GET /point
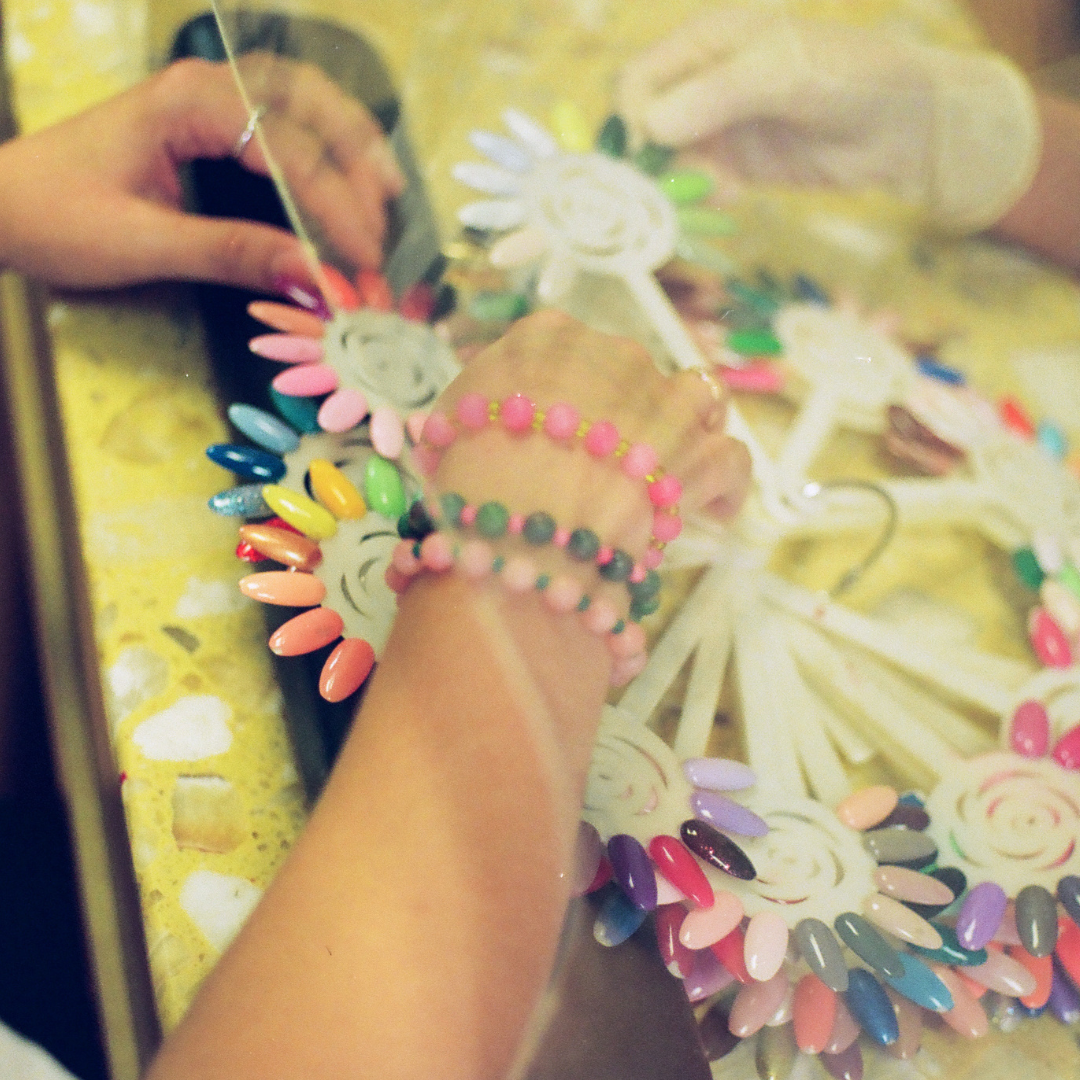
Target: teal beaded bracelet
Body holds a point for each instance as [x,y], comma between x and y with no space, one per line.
[562,594]
[562,422]
[492,520]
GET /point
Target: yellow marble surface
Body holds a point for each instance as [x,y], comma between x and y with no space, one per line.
[179,649]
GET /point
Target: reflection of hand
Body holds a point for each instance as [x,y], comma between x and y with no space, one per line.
[551,358]
[96,200]
[773,98]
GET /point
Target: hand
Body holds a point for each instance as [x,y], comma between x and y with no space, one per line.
[96,201]
[550,357]
[777,99]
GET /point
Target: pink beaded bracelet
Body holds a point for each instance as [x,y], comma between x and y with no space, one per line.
[562,594]
[563,423]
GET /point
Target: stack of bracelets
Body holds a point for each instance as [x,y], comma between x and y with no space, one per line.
[426,545]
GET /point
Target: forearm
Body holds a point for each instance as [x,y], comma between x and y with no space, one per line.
[413,927]
[1046,218]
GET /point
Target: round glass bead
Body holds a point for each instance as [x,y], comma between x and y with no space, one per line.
[472,411]
[539,528]
[563,594]
[452,504]
[602,438]
[639,461]
[519,574]
[492,519]
[601,617]
[640,608]
[438,431]
[561,421]
[618,567]
[416,522]
[475,560]
[665,492]
[645,589]
[436,553]
[517,413]
[666,526]
[583,545]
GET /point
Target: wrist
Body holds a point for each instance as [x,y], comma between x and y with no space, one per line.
[554,671]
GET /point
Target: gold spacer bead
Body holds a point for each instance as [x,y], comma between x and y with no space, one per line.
[583,429]
[493,410]
[622,449]
[538,420]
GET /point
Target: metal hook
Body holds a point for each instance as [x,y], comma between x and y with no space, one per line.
[815,489]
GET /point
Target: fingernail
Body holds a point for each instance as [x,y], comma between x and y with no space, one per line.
[307,632]
[313,520]
[287,348]
[302,294]
[282,546]
[346,668]
[342,410]
[285,587]
[306,380]
[765,945]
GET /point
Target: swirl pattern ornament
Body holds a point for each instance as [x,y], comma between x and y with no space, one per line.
[810,865]
[1008,819]
[603,213]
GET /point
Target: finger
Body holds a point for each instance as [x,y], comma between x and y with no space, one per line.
[719,484]
[201,109]
[349,132]
[755,84]
[698,44]
[350,212]
[169,244]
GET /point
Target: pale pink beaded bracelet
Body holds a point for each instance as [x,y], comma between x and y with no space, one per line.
[562,593]
[563,423]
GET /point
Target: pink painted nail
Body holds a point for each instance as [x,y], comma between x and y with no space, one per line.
[306,632]
[758,377]
[284,587]
[765,945]
[387,432]
[306,380]
[703,927]
[287,348]
[756,1003]
[1030,733]
[1048,641]
[342,410]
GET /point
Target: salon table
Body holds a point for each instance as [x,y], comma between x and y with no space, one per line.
[176,754]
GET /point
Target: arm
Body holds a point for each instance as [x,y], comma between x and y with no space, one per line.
[413,928]
[1046,218]
[96,201]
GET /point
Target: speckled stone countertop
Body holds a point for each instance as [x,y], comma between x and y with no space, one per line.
[209,782]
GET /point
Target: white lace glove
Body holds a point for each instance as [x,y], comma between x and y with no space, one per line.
[772,98]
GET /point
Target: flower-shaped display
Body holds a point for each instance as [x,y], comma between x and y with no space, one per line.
[366,359]
[334,543]
[798,904]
